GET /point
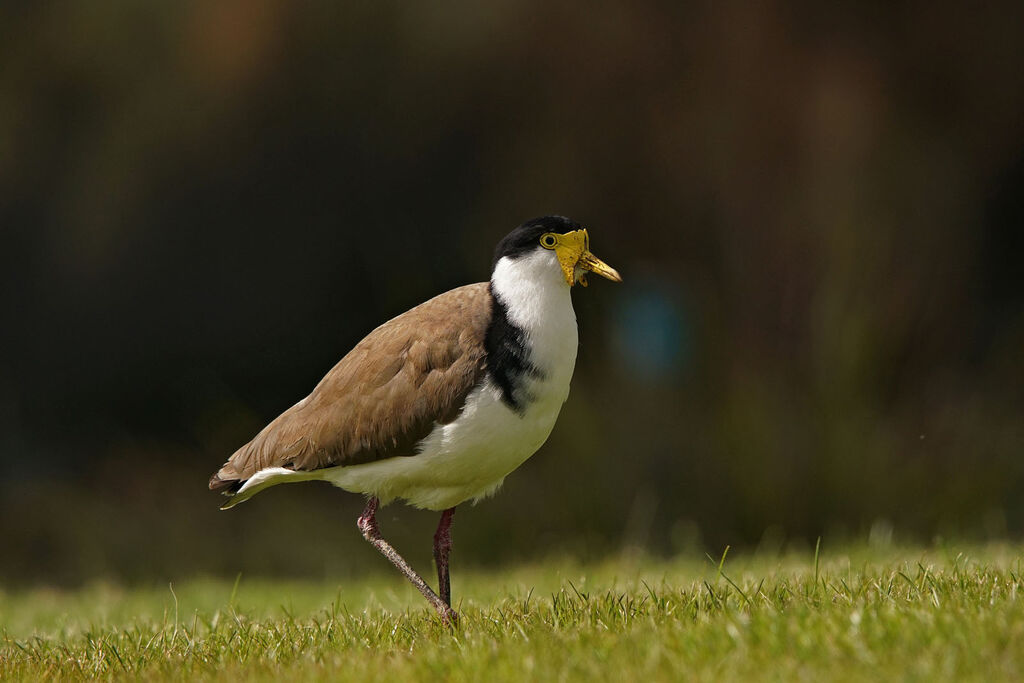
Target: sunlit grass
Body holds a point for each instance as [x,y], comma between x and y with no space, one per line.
[855,613]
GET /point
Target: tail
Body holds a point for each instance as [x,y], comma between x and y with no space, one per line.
[241,490]
[226,486]
[266,460]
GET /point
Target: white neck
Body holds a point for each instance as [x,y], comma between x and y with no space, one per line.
[536,294]
[532,286]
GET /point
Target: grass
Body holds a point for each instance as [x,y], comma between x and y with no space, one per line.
[852,614]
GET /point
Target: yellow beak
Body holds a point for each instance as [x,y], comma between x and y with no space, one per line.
[573,252]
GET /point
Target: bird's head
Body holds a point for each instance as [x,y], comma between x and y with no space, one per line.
[559,243]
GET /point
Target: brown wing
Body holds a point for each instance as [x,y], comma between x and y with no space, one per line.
[383,397]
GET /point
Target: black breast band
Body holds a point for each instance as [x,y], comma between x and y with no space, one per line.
[508,356]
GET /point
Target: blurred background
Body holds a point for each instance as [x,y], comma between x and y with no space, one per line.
[817,209]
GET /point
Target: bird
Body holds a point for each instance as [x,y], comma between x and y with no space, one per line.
[438,405]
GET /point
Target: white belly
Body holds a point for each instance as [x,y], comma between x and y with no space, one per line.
[465,459]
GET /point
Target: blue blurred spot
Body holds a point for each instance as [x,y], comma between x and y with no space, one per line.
[653,334]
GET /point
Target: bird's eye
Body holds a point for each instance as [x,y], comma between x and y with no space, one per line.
[549,241]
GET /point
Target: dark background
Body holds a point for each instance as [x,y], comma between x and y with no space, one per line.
[816,207]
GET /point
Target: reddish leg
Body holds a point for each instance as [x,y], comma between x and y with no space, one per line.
[443,546]
[367,524]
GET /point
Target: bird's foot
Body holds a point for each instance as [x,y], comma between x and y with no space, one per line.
[449,616]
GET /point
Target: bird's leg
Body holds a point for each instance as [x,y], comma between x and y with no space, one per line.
[367,524]
[443,546]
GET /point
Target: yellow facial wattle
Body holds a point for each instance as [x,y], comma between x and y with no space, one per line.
[573,252]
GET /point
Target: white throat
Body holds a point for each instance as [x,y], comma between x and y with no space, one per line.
[531,286]
[538,300]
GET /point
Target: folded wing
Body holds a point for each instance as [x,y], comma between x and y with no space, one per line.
[383,397]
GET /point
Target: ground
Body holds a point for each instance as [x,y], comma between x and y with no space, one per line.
[852,613]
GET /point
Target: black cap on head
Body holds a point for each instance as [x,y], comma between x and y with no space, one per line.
[527,236]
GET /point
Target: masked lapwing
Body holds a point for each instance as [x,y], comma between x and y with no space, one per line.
[438,406]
